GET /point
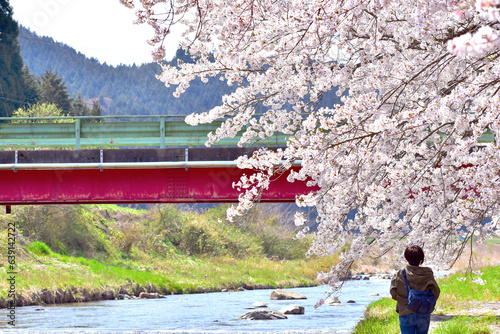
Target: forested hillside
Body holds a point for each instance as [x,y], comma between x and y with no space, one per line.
[121,90]
[12,90]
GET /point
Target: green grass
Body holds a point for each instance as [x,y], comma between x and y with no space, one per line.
[39,248]
[495,241]
[454,292]
[381,317]
[181,274]
[466,325]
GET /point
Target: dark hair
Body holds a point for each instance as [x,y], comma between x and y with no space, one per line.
[414,255]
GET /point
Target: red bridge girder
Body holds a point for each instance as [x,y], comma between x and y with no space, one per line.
[137,185]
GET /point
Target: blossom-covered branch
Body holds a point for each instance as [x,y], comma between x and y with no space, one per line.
[412,148]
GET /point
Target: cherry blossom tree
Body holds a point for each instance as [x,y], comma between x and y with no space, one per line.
[413,146]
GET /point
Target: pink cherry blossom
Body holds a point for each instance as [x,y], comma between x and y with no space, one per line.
[411,150]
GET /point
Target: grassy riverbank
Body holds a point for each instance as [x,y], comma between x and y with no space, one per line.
[463,307]
[81,253]
[181,274]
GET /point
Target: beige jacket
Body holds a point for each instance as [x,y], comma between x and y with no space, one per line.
[419,278]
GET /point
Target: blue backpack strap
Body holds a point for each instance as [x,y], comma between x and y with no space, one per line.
[406,281]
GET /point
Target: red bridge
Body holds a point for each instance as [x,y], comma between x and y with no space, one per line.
[169,175]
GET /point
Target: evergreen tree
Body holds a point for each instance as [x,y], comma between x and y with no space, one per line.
[79,107]
[11,64]
[54,91]
[96,108]
[32,87]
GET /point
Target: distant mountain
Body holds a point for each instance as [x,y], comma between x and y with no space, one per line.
[122,90]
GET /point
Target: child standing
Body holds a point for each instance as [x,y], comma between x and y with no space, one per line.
[419,278]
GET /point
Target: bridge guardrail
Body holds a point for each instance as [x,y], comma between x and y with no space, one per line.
[83,131]
[80,131]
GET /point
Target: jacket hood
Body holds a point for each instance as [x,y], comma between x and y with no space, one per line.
[419,275]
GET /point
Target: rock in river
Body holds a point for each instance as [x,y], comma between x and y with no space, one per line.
[123,296]
[263,315]
[146,295]
[283,294]
[259,304]
[334,301]
[293,309]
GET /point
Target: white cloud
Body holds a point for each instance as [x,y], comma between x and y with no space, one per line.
[102,29]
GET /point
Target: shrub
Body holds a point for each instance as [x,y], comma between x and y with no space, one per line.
[65,229]
[271,226]
[39,248]
[200,237]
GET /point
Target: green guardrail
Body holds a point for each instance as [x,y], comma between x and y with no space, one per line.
[119,131]
[111,131]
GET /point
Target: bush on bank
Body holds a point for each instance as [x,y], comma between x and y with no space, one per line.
[111,231]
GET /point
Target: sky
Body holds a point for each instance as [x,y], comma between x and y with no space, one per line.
[102,29]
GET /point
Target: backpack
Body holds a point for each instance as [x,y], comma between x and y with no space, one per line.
[419,301]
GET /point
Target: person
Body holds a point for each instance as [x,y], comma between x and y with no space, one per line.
[419,278]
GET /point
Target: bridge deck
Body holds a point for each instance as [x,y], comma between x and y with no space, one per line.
[130,176]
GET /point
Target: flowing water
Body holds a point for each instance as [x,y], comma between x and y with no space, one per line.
[203,313]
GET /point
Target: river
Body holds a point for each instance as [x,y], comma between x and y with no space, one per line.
[203,313]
